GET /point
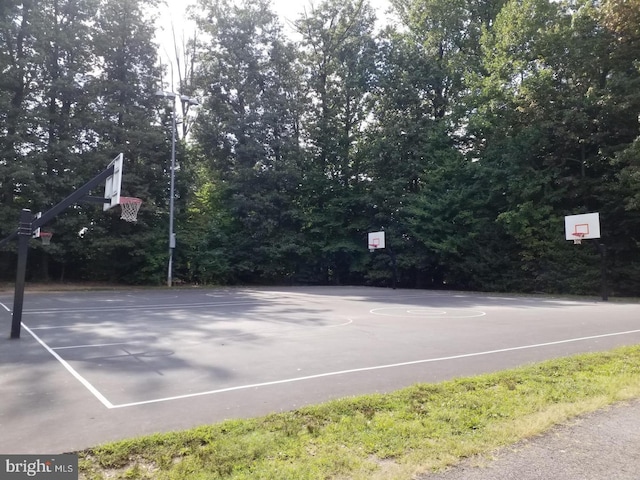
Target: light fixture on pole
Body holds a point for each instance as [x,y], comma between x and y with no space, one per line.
[172,236]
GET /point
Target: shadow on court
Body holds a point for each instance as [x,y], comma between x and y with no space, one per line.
[99,366]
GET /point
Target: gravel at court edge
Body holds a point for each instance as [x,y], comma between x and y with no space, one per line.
[600,445]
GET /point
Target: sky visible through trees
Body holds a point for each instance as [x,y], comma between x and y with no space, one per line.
[175,26]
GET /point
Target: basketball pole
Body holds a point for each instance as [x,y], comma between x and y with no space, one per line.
[24,234]
[27,225]
[602,248]
[394,267]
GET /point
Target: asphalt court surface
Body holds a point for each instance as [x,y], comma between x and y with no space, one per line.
[100,366]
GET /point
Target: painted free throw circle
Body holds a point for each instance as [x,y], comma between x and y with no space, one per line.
[427,312]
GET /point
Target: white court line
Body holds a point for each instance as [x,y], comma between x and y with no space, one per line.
[5,307]
[437,314]
[367,369]
[118,308]
[348,322]
[73,325]
[93,346]
[90,325]
[70,369]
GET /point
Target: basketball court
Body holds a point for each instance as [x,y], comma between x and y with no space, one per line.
[98,366]
[92,367]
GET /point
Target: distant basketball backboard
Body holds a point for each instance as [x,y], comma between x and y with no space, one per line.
[582,227]
[376,240]
[113,183]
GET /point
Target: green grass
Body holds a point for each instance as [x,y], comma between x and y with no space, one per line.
[392,436]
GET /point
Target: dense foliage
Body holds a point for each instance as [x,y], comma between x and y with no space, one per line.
[466,130]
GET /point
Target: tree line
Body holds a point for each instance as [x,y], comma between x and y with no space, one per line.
[466,130]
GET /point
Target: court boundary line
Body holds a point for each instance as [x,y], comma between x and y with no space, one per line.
[117,308]
[368,369]
[97,345]
[109,405]
[5,307]
[349,321]
[93,390]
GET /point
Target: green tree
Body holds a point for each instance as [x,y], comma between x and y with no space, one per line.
[46,47]
[80,85]
[403,143]
[338,54]
[425,190]
[124,119]
[249,141]
[556,104]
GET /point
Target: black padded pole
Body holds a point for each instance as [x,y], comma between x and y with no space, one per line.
[24,234]
[603,271]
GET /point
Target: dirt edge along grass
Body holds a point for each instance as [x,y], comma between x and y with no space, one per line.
[422,428]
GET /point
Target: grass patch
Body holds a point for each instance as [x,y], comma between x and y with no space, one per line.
[392,436]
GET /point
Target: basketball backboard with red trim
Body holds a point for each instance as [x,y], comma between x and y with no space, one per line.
[584,226]
[376,240]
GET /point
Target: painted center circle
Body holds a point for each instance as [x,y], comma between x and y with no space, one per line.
[427,312]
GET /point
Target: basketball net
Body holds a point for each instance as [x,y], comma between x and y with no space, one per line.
[578,239]
[46,237]
[129,207]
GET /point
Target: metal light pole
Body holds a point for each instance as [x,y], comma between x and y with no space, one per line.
[172,235]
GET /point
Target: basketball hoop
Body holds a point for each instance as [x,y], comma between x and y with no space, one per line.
[46,237]
[579,236]
[129,208]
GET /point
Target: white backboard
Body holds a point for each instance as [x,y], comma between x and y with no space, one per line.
[36,232]
[113,183]
[587,224]
[376,240]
